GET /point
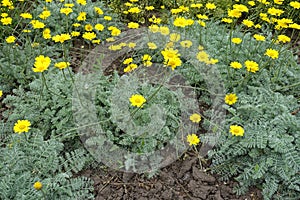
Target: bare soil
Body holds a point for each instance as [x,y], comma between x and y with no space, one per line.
[182,180]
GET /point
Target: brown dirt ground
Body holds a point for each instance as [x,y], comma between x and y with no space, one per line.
[182,180]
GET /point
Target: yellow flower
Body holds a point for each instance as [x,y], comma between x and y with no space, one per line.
[175,11]
[45,14]
[10,39]
[22,126]
[88,27]
[248,23]
[251,66]
[151,45]
[76,24]
[202,56]
[174,37]
[75,33]
[240,7]
[164,30]
[6,20]
[81,16]
[89,35]
[62,65]
[170,53]
[186,43]
[98,10]
[46,33]
[192,139]
[236,40]
[115,32]
[134,10]
[147,60]
[279,2]
[154,28]
[155,20]
[81,2]
[227,20]
[127,61]
[200,16]
[4,15]
[130,67]
[114,47]
[131,44]
[180,22]
[283,38]
[128,4]
[173,62]
[99,27]
[284,23]
[146,57]
[66,11]
[234,13]
[107,18]
[196,118]
[133,25]
[137,100]
[236,130]
[272,53]
[1,93]
[196,5]
[251,3]
[231,99]
[37,185]
[41,63]
[210,6]
[201,23]
[236,65]
[294,26]
[258,26]
[96,41]
[37,24]
[149,8]
[26,15]
[295,4]
[69,5]
[61,38]
[212,61]
[275,11]
[259,37]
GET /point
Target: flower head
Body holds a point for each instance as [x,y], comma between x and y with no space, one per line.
[10,39]
[236,65]
[151,45]
[236,40]
[251,66]
[137,100]
[37,185]
[231,99]
[22,126]
[236,130]
[192,139]
[62,65]
[259,37]
[196,118]
[272,53]
[133,25]
[41,63]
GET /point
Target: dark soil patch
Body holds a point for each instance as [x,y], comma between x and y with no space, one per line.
[181,180]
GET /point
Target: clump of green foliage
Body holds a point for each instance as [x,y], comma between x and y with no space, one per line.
[49,152]
[268,155]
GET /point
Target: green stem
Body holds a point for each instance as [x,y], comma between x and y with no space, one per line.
[45,83]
